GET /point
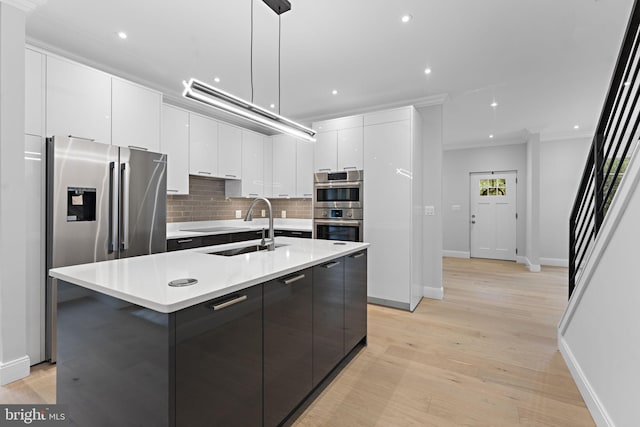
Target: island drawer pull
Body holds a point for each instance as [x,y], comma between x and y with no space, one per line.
[293,279]
[185,241]
[229,303]
[358,255]
[332,264]
[297,233]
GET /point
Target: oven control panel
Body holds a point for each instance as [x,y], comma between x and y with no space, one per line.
[321,213]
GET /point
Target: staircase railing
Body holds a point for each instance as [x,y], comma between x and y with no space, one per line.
[614,141]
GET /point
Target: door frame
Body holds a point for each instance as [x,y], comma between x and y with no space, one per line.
[492,172]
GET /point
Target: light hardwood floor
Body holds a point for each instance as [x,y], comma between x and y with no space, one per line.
[484,356]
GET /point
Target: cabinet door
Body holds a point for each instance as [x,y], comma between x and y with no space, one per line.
[284,166]
[325,151]
[78,101]
[175,144]
[328,317]
[34,93]
[135,115]
[304,170]
[252,164]
[219,361]
[287,344]
[229,151]
[203,146]
[350,149]
[267,165]
[184,243]
[355,299]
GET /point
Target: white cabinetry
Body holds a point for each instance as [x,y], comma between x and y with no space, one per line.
[304,169]
[174,142]
[78,101]
[229,151]
[135,115]
[267,164]
[34,93]
[252,182]
[284,166]
[393,181]
[203,146]
[339,144]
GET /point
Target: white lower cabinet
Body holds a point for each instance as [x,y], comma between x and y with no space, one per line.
[174,143]
[391,224]
[284,166]
[78,101]
[304,169]
[135,115]
[252,182]
[203,146]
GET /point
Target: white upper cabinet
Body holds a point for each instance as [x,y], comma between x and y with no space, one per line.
[174,142]
[339,144]
[252,182]
[135,115]
[304,169]
[326,151]
[203,146]
[284,166]
[78,101]
[267,164]
[34,93]
[229,151]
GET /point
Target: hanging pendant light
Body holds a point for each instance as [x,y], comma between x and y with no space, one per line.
[199,91]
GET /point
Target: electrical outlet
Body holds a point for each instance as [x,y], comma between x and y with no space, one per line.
[263,213]
[283,214]
[429,210]
[238,214]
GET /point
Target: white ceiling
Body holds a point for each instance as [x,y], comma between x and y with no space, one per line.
[546,62]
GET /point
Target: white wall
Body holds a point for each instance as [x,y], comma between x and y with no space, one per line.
[599,335]
[457,164]
[562,162]
[432,196]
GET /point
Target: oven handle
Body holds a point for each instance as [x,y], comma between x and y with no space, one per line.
[343,184]
[350,222]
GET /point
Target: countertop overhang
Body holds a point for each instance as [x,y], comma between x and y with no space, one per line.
[144,280]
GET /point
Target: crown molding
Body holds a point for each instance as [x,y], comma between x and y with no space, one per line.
[24,5]
[556,136]
[492,144]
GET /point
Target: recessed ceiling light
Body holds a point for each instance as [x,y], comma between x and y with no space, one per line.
[272,105]
[334,92]
[122,35]
[491,136]
[216,79]
[576,127]
[494,104]
[406,18]
[427,71]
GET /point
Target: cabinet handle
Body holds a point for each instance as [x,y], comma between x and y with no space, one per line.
[293,279]
[308,194]
[297,233]
[253,194]
[80,137]
[205,172]
[231,176]
[229,303]
[171,191]
[350,167]
[358,255]
[283,195]
[135,147]
[324,169]
[332,264]
[185,241]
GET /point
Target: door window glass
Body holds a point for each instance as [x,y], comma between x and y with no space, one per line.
[493,187]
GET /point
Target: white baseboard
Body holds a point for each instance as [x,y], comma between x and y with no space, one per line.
[555,262]
[14,370]
[597,410]
[456,254]
[433,293]
[534,268]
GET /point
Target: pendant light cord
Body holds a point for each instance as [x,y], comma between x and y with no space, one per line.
[251,52]
[279,39]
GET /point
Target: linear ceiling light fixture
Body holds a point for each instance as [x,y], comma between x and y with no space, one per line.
[199,91]
[216,98]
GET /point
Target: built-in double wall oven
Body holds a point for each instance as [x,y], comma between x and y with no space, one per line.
[338,205]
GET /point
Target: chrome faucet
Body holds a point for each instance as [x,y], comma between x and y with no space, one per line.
[272,238]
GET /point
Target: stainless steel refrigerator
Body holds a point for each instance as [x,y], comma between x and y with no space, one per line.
[103,202]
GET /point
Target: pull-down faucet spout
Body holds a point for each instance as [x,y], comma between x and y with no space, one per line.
[272,238]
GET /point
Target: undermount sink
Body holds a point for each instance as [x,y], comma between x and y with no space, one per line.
[243,250]
[216,229]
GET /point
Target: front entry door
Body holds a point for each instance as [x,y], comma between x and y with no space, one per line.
[493,215]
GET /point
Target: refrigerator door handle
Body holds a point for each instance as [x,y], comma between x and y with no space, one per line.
[112,229]
[124,208]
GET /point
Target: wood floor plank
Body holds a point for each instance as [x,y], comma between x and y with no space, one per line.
[486,355]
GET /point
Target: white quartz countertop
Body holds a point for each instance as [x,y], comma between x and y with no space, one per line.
[181,230]
[143,280]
